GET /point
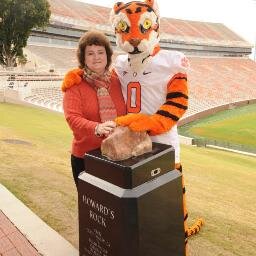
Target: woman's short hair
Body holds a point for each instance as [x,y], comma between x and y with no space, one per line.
[93,38]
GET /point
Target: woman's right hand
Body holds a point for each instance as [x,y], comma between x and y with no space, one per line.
[104,129]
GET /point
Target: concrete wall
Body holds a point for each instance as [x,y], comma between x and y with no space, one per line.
[1,95]
[15,96]
[186,140]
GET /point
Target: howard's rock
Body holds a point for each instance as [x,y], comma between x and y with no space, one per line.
[124,143]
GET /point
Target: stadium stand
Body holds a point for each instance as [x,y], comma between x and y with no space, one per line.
[40,89]
[222,75]
[58,58]
[216,82]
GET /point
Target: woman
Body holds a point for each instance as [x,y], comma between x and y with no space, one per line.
[91,105]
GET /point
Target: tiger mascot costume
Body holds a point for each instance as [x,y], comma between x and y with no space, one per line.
[154,81]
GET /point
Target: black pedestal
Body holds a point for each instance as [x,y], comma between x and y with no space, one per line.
[122,215]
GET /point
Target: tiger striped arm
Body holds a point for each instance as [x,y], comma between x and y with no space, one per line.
[73,77]
[170,112]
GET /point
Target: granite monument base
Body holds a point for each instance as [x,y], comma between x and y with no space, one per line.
[143,220]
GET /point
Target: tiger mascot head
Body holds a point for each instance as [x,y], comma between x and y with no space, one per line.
[136,26]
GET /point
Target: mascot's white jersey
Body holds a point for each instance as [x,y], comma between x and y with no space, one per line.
[146,90]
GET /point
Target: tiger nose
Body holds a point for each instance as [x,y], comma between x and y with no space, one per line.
[134,41]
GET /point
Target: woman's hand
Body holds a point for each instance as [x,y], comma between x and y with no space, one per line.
[104,129]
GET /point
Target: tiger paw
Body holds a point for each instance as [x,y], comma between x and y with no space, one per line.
[72,78]
[151,124]
[142,124]
[129,118]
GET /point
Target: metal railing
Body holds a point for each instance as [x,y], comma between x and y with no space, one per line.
[225,144]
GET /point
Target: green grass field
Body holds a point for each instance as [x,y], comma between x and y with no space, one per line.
[220,185]
[235,126]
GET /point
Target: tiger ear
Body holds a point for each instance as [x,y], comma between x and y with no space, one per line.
[150,2]
[118,6]
[114,12]
[153,4]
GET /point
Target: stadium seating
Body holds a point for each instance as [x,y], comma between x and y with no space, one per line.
[59,58]
[217,81]
[46,94]
[214,80]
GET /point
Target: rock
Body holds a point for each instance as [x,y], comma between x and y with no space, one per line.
[124,143]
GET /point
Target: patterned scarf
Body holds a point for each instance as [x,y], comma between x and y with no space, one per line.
[101,83]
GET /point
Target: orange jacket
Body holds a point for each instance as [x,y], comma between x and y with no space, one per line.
[81,111]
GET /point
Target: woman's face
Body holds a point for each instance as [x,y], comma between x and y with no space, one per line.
[96,58]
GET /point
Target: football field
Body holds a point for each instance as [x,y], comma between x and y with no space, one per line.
[34,166]
[235,127]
